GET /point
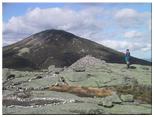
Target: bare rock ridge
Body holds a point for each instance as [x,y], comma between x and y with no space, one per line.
[59,48]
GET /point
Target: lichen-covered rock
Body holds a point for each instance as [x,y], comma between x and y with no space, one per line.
[127,98]
[114,98]
[58,70]
[23,94]
[51,68]
[106,102]
[129,81]
[55,70]
[10,77]
[6,73]
[95,112]
[79,69]
[110,100]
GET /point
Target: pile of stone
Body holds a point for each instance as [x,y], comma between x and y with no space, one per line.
[85,62]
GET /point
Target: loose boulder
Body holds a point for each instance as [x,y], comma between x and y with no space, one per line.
[110,100]
[114,98]
[106,102]
[127,98]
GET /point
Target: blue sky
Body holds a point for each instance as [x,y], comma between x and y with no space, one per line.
[18,9]
[116,25]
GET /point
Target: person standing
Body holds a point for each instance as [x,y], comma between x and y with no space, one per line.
[127,58]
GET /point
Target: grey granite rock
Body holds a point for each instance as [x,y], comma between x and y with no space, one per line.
[127,98]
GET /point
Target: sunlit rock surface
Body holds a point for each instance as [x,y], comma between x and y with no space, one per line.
[28,92]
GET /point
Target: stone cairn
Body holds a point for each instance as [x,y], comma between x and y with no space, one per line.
[85,62]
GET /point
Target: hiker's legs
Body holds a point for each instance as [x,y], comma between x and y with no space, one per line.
[127,63]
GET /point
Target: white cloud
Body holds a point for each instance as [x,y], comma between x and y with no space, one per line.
[130,18]
[146,48]
[126,13]
[123,45]
[92,23]
[133,34]
[35,20]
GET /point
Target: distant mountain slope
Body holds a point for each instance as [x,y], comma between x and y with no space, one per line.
[57,47]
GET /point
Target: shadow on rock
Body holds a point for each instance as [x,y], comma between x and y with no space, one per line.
[132,67]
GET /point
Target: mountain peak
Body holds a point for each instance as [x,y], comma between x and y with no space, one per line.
[54,32]
[59,48]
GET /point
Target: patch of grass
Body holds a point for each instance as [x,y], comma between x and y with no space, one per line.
[82,91]
[140,92]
